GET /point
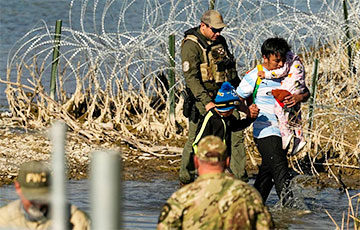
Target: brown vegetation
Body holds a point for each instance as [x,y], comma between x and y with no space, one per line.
[140,121]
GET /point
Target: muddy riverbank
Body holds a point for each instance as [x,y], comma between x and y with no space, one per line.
[18,145]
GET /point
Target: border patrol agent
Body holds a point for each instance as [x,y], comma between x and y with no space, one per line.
[215,200]
[207,63]
[32,210]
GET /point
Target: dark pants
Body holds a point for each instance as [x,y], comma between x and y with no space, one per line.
[237,161]
[274,166]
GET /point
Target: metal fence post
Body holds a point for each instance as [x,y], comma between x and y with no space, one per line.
[313,92]
[60,214]
[211,4]
[106,192]
[55,58]
[347,32]
[172,76]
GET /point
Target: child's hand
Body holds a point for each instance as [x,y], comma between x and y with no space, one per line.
[253,111]
[261,74]
[209,106]
[292,100]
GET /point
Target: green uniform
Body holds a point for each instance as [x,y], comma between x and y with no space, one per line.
[202,78]
[12,217]
[215,201]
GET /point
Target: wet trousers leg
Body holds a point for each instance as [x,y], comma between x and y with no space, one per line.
[274,168]
[238,153]
[187,168]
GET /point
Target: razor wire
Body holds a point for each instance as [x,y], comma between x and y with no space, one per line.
[128,40]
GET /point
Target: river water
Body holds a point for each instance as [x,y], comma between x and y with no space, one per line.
[143,201]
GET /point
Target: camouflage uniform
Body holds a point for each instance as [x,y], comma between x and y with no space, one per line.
[215,201]
[204,92]
[12,217]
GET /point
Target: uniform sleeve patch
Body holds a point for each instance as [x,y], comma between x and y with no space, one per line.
[164,212]
[186,66]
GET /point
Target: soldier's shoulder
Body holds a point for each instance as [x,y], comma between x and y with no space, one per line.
[241,193]
[190,45]
[9,212]
[12,205]
[241,187]
[188,192]
[188,188]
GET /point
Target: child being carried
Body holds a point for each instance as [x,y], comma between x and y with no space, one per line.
[293,83]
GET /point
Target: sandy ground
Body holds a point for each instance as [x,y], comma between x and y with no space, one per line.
[18,145]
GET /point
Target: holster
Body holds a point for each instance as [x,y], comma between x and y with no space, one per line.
[189,109]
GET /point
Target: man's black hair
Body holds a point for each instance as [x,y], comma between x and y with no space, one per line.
[274,46]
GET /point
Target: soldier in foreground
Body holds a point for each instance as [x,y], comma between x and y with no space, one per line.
[31,211]
[215,200]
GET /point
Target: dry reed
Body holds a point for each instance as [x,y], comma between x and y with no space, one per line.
[352,215]
[113,86]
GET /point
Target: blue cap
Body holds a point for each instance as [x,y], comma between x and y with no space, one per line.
[226,98]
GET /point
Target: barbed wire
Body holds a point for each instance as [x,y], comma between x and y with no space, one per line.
[104,33]
[114,63]
[128,40]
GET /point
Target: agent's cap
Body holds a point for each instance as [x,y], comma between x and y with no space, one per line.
[213,18]
[211,148]
[34,179]
[226,98]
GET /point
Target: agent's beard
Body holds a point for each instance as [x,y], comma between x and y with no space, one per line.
[37,213]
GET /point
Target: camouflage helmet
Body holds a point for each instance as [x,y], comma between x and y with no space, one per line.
[211,148]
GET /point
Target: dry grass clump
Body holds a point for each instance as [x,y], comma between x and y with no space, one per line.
[334,138]
[112,82]
[140,114]
[353,215]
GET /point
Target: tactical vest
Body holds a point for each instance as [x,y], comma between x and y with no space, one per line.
[218,62]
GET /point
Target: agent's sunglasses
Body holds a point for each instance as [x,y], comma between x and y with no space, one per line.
[213,29]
